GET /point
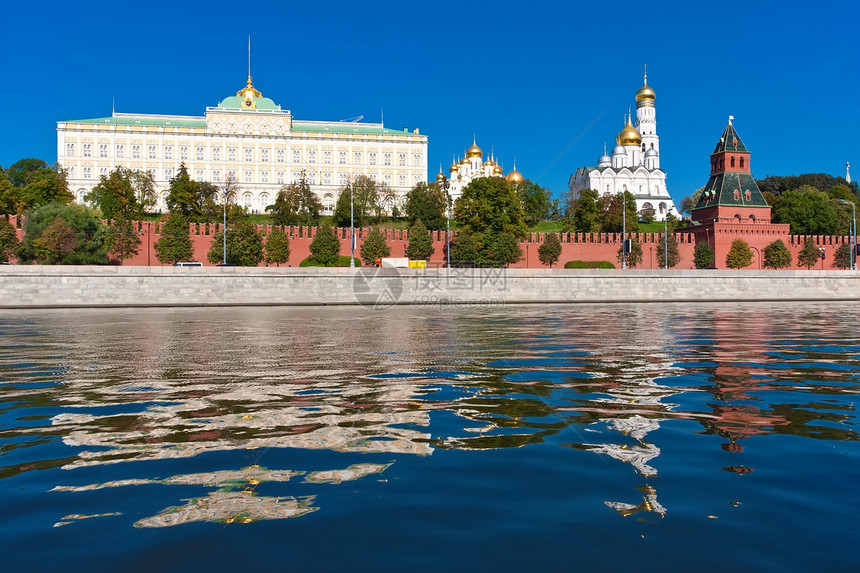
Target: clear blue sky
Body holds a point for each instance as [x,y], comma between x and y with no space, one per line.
[547,83]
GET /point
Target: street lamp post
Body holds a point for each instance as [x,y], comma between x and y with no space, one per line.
[448,229]
[228,190]
[666,239]
[623,230]
[351,231]
[853,231]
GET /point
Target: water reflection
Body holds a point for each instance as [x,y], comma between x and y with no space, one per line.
[127,391]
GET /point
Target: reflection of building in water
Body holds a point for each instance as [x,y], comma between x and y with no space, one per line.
[634,409]
[230,507]
[235,500]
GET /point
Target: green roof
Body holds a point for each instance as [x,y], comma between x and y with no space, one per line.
[262,103]
[149,121]
[359,128]
[731,189]
[730,141]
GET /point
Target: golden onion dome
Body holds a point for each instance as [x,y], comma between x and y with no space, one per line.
[489,163]
[629,135]
[441,177]
[497,170]
[645,92]
[455,167]
[464,161]
[474,151]
[514,176]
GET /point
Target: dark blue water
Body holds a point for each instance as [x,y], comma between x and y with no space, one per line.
[538,438]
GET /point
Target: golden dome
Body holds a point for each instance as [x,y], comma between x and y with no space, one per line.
[474,151]
[454,168]
[440,177]
[497,170]
[464,161]
[514,176]
[629,135]
[645,92]
[489,163]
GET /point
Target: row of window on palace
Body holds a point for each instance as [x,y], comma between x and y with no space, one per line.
[278,177]
[312,155]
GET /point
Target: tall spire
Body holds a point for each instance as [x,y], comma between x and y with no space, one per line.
[645,79]
[847,172]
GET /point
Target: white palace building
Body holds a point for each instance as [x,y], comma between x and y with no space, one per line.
[246,138]
[634,165]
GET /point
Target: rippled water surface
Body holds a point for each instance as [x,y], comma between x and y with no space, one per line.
[647,437]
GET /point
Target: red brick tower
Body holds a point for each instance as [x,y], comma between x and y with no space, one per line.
[731,205]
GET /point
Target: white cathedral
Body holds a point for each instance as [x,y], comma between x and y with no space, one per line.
[634,165]
[473,167]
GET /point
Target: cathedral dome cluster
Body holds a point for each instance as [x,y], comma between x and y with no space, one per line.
[634,165]
[473,166]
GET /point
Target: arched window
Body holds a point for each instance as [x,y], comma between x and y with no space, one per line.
[216,154]
[312,177]
[733,161]
[248,200]
[328,204]
[249,154]
[264,200]
[312,156]
[742,162]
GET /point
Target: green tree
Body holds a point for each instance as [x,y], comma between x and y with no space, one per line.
[56,242]
[550,250]
[464,249]
[36,184]
[89,235]
[366,203]
[427,202]
[11,202]
[8,240]
[808,255]
[703,255]
[740,255]
[123,194]
[121,240]
[244,245]
[374,247]
[674,253]
[634,257]
[842,257]
[420,246]
[776,256]
[174,246]
[296,205]
[586,213]
[808,211]
[689,202]
[613,218]
[277,246]
[535,200]
[194,200]
[325,247]
[491,212]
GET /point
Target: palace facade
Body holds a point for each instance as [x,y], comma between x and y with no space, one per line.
[634,165]
[249,139]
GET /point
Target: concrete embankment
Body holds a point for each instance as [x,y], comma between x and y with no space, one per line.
[90,286]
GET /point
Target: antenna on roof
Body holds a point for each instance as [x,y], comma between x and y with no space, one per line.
[249,55]
[113,106]
[382,117]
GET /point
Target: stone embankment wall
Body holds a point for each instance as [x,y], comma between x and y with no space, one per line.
[575,246]
[90,286]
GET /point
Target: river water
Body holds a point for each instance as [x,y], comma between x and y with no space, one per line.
[556,437]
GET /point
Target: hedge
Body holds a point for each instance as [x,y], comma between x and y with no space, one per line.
[342,261]
[588,265]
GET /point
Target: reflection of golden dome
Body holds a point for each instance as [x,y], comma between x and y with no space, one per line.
[441,176]
[474,151]
[629,135]
[645,92]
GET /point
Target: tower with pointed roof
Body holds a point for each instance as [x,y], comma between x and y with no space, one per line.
[731,192]
[731,205]
[634,165]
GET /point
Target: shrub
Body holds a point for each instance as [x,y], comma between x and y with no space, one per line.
[740,255]
[342,261]
[588,265]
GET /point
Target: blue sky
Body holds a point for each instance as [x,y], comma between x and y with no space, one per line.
[545,83]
